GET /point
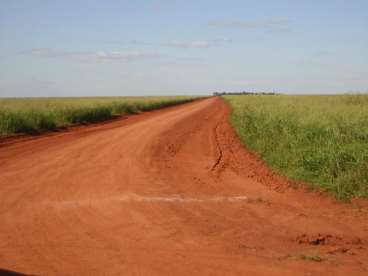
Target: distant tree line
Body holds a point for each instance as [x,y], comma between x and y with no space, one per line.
[244,93]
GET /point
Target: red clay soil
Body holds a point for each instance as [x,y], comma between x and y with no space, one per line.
[169,192]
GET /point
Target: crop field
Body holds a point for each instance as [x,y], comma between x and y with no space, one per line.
[33,115]
[320,139]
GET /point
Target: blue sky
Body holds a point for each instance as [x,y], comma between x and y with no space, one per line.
[162,47]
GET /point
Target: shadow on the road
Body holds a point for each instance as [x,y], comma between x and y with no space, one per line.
[5,272]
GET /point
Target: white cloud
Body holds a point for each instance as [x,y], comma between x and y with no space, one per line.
[270,24]
[191,44]
[123,56]
[199,44]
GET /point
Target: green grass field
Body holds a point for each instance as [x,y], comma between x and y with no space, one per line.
[34,115]
[320,139]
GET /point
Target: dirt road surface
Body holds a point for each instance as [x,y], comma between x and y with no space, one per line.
[169,192]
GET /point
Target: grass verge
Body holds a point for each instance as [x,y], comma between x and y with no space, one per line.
[319,139]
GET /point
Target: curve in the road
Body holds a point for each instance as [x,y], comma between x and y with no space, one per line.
[167,192]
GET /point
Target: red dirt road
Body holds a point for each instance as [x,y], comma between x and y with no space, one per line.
[169,192]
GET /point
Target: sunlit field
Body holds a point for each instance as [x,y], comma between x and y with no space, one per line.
[320,139]
[33,115]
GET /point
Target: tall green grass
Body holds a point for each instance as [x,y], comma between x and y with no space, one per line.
[320,139]
[34,115]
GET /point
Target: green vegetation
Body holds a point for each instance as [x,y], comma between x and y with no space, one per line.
[33,115]
[315,257]
[320,139]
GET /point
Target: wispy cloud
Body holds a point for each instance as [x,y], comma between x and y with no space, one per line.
[184,61]
[323,53]
[270,24]
[199,44]
[191,44]
[123,56]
